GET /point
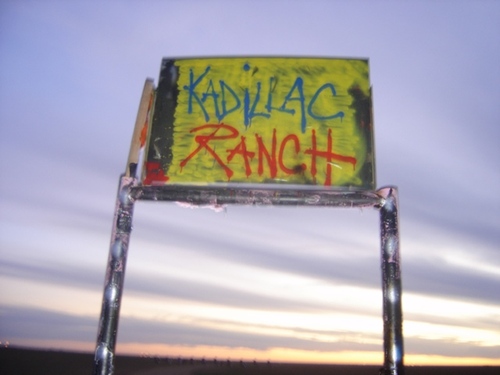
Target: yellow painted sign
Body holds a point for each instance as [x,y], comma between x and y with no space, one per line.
[262,120]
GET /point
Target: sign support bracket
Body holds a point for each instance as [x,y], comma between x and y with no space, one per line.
[115,277]
[385,200]
[391,282]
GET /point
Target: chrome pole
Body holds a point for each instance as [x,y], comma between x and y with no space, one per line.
[391,282]
[115,276]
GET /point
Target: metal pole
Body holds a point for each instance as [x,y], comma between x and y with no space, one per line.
[115,275]
[122,226]
[391,282]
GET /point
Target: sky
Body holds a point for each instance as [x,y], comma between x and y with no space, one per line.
[278,284]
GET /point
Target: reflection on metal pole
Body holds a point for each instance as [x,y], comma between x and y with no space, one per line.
[115,275]
[391,282]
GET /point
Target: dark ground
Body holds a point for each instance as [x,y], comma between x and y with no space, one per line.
[15,361]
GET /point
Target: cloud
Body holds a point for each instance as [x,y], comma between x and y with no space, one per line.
[19,323]
[30,323]
[449,348]
[76,277]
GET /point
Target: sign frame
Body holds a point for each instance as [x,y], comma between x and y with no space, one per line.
[273,120]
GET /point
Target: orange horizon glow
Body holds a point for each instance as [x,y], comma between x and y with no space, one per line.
[273,355]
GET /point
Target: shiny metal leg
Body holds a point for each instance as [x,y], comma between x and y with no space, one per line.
[391,283]
[115,275]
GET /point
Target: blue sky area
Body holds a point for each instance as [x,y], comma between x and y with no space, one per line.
[284,284]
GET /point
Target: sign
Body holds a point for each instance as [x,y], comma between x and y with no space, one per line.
[301,121]
[225,123]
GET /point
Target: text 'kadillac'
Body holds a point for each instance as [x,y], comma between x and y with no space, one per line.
[298,121]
